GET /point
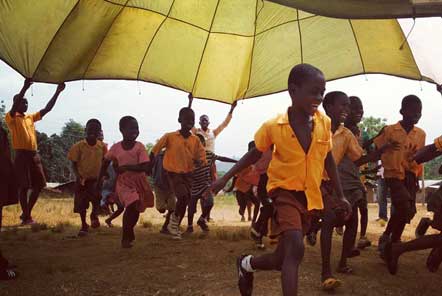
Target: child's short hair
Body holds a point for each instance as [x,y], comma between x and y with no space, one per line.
[125,120]
[409,100]
[186,110]
[355,100]
[300,73]
[202,139]
[93,121]
[330,97]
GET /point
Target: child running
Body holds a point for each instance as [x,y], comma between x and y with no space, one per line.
[183,154]
[345,146]
[108,196]
[400,170]
[27,162]
[132,187]
[394,250]
[202,179]
[87,159]
[302,145]
[350,173]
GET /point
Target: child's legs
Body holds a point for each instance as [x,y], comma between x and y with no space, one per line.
[249,209]
[130,219]
[287,258]
[363,209]
[403,208]
[256,204]
[181,186]
[422,243]
[242,202]
[328,224]
[23,198]
[115,214]
[33,197]
[191,209]
[207,205]
[382,199]
[349,239]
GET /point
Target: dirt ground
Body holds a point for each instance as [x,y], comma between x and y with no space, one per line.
[52,261]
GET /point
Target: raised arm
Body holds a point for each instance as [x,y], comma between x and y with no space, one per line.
[19,97]
[52,101]
[226,121]
[248,159]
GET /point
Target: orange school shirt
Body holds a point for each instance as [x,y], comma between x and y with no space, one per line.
[22,130]
[344,143]
[291,168]
[396,162]
[89,159]
[181,153]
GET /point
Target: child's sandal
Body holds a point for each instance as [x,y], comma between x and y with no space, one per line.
[330,284]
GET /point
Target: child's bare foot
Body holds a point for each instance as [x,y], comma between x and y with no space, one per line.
[95,223]
[391,258]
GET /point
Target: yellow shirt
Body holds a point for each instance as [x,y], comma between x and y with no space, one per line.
[23,130]
[438,143]
[396,162]
[88,158]
[344,143]
[290,168]
[181,153]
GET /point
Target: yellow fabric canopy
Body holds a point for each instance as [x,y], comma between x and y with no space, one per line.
[221,50]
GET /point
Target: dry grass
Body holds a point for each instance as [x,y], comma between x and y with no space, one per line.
[53,261]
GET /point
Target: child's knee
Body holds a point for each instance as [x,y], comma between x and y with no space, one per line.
[293,245]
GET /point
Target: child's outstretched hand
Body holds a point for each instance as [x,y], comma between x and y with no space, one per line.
[218,185]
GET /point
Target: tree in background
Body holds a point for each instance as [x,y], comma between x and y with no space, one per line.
[371,126]
[53,151]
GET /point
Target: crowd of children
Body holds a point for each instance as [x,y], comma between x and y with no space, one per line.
[301,173]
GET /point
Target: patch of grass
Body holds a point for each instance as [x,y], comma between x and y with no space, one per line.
[146,224]
[231,234]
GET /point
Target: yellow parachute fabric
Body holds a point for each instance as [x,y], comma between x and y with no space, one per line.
[222,50]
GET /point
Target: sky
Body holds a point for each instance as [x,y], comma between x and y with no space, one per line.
[156,107]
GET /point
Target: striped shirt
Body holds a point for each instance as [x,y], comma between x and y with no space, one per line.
[202,176]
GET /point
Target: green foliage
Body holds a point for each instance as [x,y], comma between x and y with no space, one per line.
[431,169]
[371,126]
[53,151]
[149,147]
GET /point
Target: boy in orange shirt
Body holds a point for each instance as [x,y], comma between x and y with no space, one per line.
[400,170]
[434,241]
[87,159]
[184,152]
[302,150]
[27,163]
